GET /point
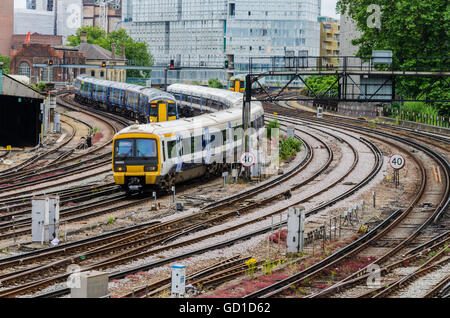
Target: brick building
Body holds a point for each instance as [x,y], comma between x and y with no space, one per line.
[23,58]
[6,25]
[19,39]
[96,55]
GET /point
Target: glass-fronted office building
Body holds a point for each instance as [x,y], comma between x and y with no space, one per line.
[205,33]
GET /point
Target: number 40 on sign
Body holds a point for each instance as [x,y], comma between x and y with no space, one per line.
[397,162]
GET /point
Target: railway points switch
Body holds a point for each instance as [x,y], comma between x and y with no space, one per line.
[44,218]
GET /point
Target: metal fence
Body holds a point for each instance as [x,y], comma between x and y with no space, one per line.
[348,63]
[423,118]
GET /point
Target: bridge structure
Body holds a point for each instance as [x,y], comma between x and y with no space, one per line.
[355,79]
[373,80]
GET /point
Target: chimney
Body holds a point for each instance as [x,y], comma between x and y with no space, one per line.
[123,50]
[113,49]
[83,37]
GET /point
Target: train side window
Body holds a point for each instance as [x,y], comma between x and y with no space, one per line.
[170,147]
[164,150]
[192,144]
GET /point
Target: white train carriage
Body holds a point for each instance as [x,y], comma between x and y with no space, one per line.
[165,153]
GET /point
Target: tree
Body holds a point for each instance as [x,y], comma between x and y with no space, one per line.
[321,84]
[411,29]
[136,52]
[6,60]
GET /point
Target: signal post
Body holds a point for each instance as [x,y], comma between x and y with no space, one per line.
[246,117]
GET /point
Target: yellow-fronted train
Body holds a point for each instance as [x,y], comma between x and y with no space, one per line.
[158,155]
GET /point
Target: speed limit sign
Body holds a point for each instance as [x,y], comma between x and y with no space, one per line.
[248,159]
[397,162]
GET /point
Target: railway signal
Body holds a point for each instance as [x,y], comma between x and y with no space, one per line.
[50,63]
[103,63]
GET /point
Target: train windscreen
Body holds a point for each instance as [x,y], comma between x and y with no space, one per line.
[135,148]
[172,109]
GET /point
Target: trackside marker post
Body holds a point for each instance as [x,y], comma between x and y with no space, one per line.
[397,162]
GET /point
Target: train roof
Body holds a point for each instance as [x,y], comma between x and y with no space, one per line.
[238,76]
[184,124]
[227,97]
[151,93]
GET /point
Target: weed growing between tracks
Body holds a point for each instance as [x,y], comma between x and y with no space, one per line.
[278,269]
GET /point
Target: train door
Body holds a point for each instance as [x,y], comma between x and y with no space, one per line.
[108,97]
[162,111]
[237,86]
[90,91]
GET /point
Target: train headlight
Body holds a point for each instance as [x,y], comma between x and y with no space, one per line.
[150,168]
[120,168]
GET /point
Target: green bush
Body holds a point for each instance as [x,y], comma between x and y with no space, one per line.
[414,111]
[289,147]
[39,87]
[215,83]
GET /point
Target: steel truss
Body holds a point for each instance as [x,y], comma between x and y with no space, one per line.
[359,79]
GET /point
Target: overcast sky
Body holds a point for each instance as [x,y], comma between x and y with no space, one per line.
[329,8]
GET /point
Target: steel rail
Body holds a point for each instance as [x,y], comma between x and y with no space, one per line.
[279,288]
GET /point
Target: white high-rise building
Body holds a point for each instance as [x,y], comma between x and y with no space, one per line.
[34,16]
[48,17]
[348,33]
[205,33]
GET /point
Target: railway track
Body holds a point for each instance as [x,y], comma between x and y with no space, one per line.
[206,278]
[49,176]
[162,239]
[10,173]
[134,253]
[278,288]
